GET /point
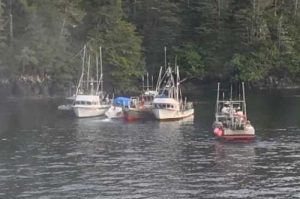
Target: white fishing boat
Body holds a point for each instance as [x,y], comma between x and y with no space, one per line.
[89,98]
[231,121]
[169,105]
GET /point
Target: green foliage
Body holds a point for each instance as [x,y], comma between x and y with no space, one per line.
[160,24]
[122,51]
[248,40]
[190,60]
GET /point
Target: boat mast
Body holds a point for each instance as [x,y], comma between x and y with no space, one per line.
[101,71]
[97,73]
[82,70]
[177,83]
[88,73]
[147,81]
[152,83]
[158,80]
[217,105]
[244,99]
[143,79]
[165,48]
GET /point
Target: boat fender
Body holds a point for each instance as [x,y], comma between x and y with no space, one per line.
[218,132]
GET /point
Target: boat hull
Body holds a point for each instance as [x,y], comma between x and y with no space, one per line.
[65,107]
[170,114]
[131,115]
[90,111]
[114,112]
[240,137]
[248,133]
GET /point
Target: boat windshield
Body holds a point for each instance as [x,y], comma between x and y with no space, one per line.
[163,106]
[85,102]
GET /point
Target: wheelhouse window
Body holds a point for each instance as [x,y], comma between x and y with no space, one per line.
[163,106]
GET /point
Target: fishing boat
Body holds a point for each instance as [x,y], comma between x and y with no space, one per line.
[116,108]
[148,94]
[137,110]
[231,121]
[140,107]
[90,100]
[169,103]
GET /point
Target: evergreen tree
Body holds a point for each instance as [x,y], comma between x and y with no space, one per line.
[104,25]
[160,24]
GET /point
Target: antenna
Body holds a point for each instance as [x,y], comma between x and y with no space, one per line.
[244,99]
[97,72]
[165,48]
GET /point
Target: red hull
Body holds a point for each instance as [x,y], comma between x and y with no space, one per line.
[129,118]
[133,115]
[237,137]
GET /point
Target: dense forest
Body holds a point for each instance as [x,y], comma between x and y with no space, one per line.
[256,41]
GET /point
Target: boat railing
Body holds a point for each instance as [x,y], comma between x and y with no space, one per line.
[232,121]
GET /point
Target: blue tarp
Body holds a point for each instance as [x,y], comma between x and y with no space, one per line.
[121,101]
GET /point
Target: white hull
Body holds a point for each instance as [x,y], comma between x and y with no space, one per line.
[249,130]
[114,112]
[90,111]
[65,107]
[170,114]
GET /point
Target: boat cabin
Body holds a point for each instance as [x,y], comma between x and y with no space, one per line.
[165,103]
[87,100]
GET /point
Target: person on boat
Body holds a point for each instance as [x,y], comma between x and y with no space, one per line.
[226,108]
[239,112]
[142,102]
[239,117]
[107,99]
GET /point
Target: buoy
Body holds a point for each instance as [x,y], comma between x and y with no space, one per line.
[218,132]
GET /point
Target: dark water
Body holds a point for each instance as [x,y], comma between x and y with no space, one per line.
[46,154]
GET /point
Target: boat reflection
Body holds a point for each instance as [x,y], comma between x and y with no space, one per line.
[234,158]
[176,124]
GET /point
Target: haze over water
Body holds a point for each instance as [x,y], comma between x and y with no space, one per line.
[46,154]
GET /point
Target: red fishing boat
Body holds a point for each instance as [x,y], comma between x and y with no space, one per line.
[138,109]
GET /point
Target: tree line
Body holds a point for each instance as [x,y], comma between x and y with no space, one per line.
[255,41]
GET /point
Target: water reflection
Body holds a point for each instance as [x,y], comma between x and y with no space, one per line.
[234,158]
[46,155]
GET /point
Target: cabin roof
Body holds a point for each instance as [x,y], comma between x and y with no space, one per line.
[165,101]
[87,98]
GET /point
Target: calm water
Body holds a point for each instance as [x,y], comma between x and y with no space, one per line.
[46,154]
